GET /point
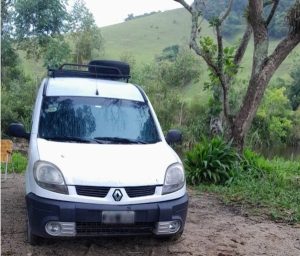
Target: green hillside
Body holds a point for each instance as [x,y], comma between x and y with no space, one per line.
[146,37]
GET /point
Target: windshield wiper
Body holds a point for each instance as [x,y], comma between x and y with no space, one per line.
[68,138]
[118,140]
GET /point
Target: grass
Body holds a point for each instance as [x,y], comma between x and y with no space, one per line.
[19,162]
[274,193]
[147,37]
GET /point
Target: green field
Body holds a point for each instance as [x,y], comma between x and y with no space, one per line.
[147,36]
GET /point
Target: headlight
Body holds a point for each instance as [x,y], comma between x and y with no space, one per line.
[49,177]
[174,179]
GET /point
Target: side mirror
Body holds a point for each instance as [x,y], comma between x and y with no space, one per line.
[174,136]
[18,130]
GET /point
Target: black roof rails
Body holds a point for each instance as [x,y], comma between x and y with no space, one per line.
[106,69]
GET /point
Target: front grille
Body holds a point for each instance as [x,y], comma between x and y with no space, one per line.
[103,191]
[140,191]
[99,229]
[92,191]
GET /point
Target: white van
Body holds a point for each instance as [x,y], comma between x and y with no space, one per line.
[99,164]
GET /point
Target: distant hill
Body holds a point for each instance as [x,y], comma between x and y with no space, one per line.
[147,36]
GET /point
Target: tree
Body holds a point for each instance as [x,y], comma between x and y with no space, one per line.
[225,66]
[8,54]
[10,61]
[294,88]
[130,17]
[57,53]
[5,16]
[86,35]
[36,21]
[169,53]
[274,119]
[178,68]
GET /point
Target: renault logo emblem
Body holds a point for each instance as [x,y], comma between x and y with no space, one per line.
[117,195]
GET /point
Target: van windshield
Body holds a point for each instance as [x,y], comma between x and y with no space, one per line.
[99,120]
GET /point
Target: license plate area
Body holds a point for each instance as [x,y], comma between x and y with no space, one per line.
[118,217]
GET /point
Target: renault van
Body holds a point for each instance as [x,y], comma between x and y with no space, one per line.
[98,161]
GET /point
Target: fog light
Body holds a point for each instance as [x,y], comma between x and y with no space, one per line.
[174,226]
[56,228]
[53,228]
[167,227]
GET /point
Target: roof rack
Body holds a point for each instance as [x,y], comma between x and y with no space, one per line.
[112,70]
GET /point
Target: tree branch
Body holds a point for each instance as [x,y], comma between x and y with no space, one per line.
[248,32]
[267,3]
[272,12]
[260,32]
[206,58]
[281,51]
[194,33]
[220,74]
[216,68]
[226,108]
[225,14]
[222,17]
[185,5]
[220,49]
[220,63]
[243,45]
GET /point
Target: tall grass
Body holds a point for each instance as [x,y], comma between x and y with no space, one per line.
[261,186]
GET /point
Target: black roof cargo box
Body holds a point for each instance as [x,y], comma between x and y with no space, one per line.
[106,69]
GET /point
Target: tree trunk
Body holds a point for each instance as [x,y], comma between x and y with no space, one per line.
[243,120]
[257,86]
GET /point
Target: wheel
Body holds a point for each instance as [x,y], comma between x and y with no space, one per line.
[31,238]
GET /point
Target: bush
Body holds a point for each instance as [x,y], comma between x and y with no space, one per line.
[19,162]
[17,103]
[181,71]
[211,161]
[194,122]
[254,164]
[274,119]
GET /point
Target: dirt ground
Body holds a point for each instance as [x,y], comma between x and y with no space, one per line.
[211,229]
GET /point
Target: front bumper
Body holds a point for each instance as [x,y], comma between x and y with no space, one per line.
[88,217]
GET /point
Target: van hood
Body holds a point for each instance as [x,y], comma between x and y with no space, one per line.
[114,165]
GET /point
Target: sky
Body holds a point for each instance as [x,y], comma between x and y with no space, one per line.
[108,12]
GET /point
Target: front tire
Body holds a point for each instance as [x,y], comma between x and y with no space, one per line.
[31,238]
[170,238]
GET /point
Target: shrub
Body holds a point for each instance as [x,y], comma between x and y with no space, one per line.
[254,164]
[274,119]
[178,69]
[19,163]
[211,161]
